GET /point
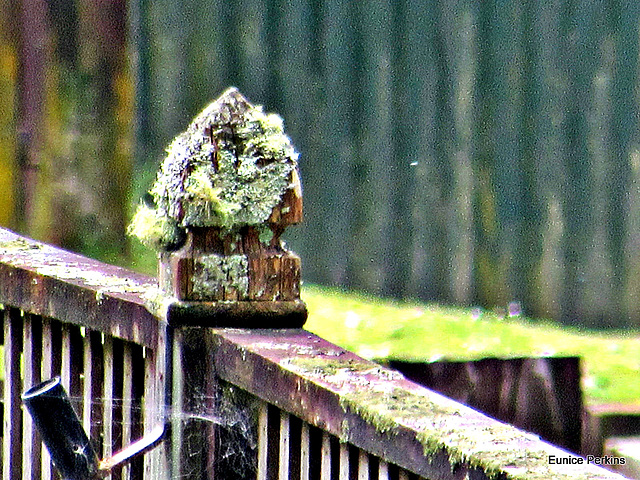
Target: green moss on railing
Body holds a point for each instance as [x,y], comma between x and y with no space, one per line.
[439,424]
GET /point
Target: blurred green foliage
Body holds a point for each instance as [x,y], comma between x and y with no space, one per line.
[391,330]
[457,151]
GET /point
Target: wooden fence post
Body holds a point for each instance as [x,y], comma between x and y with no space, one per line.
[225,193]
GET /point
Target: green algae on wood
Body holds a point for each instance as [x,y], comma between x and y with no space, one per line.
[440,424]
[44,264]
[213,272]
[230,169]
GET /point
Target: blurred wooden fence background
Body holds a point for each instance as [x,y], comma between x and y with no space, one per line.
[452,150]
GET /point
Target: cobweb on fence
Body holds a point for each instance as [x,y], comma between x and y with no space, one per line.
[230,417]
[217,433]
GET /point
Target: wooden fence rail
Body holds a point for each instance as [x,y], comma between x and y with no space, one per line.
[265,404]
[86,322]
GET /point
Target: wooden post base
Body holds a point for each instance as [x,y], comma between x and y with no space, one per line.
[242,314]
[221,279]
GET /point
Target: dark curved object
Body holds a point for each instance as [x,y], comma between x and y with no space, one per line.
[61,430]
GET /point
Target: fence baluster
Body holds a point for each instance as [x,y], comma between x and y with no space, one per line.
[87,390]
[71,352]
[344,461]
[92,391]
[47,373]
[263,440]
[283,453]
[305,452]
[107,400]
[156,462]
[12,436]
[325,465]
[127,401]
[177,407]
[363,465]
[32,358]
[383,470]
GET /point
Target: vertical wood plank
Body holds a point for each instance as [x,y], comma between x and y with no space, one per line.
[429,263]
[137,412]
[107,398]
[156,464]
[625,134]
[12,436]
[363,465]
[66,360]
[305,452]
[67,353]
[544,141]
[92,391]
[160,359]
[375,157]
[32,357]
[150,467]
[71,352]
[117,407]
[47,373]
[127,402]
[344,461]
[177,406]
[263,439]
[577,57]
[149,402]
[383,470]
[457,25]
[46,368]
[325,461]
[283,453]
[87,390]
[403,475]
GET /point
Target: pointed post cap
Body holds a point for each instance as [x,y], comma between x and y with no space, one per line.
[224,194]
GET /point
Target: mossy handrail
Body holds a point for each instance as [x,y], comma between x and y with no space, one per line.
[44,280]
[361,403]
[381,412]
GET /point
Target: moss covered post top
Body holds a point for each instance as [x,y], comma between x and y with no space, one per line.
[223,196]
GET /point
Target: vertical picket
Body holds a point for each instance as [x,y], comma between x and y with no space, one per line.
[92,388]
[325,459]
[363,465]
[32,356]
[12,418]
[305,452]
[47,373]
[383,470]
[263,439]
[127,402]
[107,400]
[345,465]
[283,453]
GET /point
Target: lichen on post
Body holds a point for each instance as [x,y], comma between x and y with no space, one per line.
[223,196]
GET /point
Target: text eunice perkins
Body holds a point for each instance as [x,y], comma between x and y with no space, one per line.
[573,460]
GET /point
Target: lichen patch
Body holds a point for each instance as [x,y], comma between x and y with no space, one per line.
[217,272]
[229,169]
